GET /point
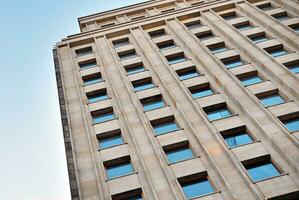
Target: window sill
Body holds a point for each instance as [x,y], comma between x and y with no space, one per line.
[135,91]
[242,145]
[173,163]
[110,179]
[169,132]
[273,177]
[102,149]
[223,118]
[104,121]
[278,104]
[208,194]
[145,70]
[146,111]
[88,103]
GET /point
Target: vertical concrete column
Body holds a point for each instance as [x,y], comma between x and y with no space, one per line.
[152,172]
[85,164]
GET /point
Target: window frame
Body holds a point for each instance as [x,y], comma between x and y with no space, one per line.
[141,81]
[165,120]
[103,111]
[110,134]
[116,162]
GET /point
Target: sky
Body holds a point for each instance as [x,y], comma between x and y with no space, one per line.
[33,163]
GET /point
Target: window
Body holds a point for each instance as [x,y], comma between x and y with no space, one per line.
[103,115]
[130,195]
[196,188]
[135,69]
[88,64]
[230,16]
[176,59]
[107,25]
[84,51]
[157,33]
[261,170]
[218,48]
[200,91]
[95,96]
[276,52]
[127,55]
[292,124]
[236,137]
[294,67]
[152,103]
[295,27]
[92,79]
[265,7]
[111,140]
[243,27]
[259,38]
[121,42]
[119,169]
[164,126]
[193,25]
[166,45]
[205,36]
[143,84]
[187,73]
[179,154]
[232,63]
[217,112]
[281,16]
[254,79]
[271,100]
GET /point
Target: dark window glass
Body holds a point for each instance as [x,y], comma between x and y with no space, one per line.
[186,74]
[157,33]
[87,65]
[110,141]
[118,170]
[295,28]
[230,16]
[180,154]
[137,197]
[259,38]
[261,171]
[271,100]
[265,7]
[193,25]
[103,116]
[166,45]
[143,85]
[218,49]
[233,63]
[251,80]
[120,43]
[218,113]
[277,52]
[152,103]
[97,96]
[176,59]
[84,51]
[165,127]
[201,92]
[197,188]
[92,79]
[135,69]
[244,27]
[237,139]
[205,36]
[294,68]
[281,17]
[128,55]
[292,125]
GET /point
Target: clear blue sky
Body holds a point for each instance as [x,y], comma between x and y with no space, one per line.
[33,165]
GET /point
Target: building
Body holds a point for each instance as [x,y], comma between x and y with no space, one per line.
[183,99]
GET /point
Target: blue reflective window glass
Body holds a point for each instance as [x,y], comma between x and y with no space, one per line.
[179,154]
[165,127]
[294,68]
[251,80]
[97,97]
[282,17]
[233,64]
[128,55]
[202,92]
[237,139]
[244,27]
[84,52]
[118,170]
[188,74]
[92,80]
[136,69]
[168,45]
[262,171]
[176,59]
[271,100]
[137,197]
[98,118]
[197,188]
[258,39]
[143,86]
[292,125]
[151,105]
[277,52]
[218,114]
[218,49]
[110,141]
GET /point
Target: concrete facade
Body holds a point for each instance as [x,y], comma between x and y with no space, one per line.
[261,35]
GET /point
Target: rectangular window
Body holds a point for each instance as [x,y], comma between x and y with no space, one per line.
[164,126]
[200,91]
[176,59]
[193,25]
[84,51]
[271,100]
[196,188]
[295,27]
[92,79]
[205,36]
[152,103]
[261,170]
[236,137]
[265,7]
[259,38]
[281,16]
[232,63]
[187,73]
[254,79]
[88,64]
[218,112]
[230,16]
[110,140]
[179,154]
[119,169]
[243,27]
[143,84]
[134,69]
[276,52]
[293,67]
[292,124]
[98,95]
[127,55]
[166,45]
[157,33]
[103,115]
[120,43]
[130,195]
[218,48]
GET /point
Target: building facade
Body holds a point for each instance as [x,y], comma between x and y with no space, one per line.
[183,99]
